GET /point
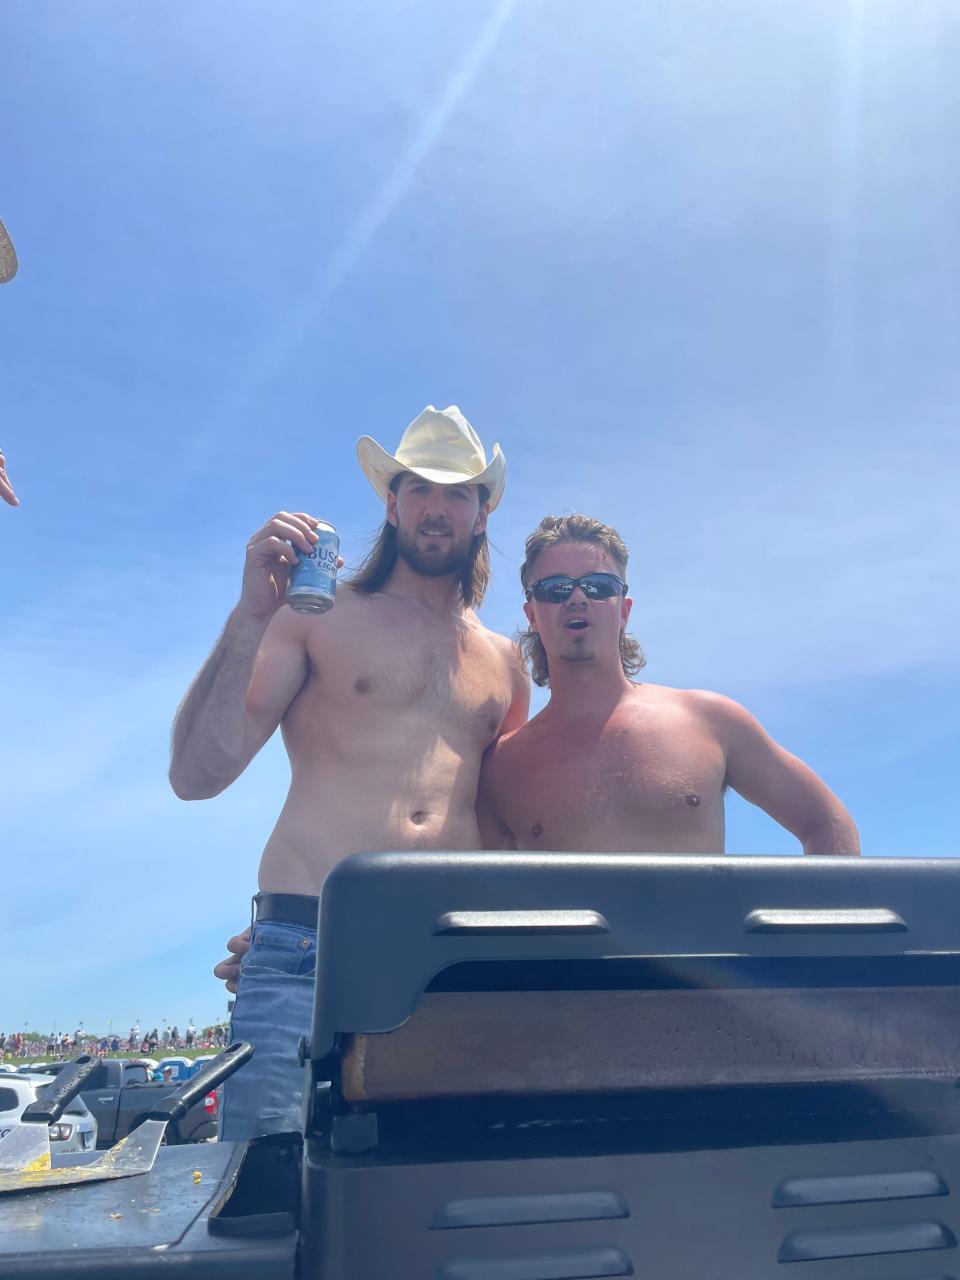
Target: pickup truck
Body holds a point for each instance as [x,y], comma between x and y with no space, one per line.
[120,1094]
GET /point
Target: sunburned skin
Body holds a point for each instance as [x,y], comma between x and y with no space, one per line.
[610,765]
[386,735]
[647,776]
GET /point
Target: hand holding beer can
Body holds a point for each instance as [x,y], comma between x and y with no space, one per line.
[312,587]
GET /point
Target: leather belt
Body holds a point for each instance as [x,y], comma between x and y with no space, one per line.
[287,908]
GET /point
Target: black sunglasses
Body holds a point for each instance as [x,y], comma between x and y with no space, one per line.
[559,587]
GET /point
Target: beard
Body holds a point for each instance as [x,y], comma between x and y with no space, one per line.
[439,559]
[577,650]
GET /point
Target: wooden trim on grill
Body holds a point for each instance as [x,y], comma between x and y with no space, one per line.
[509,1042]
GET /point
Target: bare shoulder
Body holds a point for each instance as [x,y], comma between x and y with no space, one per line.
[726,716]
[328,636]
[715,710]
[351,601]
[351,608]
[286,631]
[696,702]
[514,671]
[502,645]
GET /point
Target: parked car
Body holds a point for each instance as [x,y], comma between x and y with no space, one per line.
[122,1093]
[76,1130]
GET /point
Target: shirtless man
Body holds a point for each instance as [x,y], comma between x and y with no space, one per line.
[610,765]
[386,705]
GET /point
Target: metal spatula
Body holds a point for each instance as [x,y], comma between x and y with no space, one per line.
[138,1150]
[27,1146]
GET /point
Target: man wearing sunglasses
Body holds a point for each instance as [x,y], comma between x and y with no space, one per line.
[613,765]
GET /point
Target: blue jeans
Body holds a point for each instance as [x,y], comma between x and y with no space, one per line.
[273,1009]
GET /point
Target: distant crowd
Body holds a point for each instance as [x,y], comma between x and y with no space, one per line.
[63,1044]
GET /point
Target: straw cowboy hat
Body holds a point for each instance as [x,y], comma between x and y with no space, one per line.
[439,445]
[8,256]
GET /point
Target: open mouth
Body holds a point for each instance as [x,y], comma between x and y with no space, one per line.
[577,624]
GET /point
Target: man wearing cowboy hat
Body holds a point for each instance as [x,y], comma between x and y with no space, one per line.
[387,704]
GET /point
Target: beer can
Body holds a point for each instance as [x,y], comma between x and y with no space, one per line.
[312,587]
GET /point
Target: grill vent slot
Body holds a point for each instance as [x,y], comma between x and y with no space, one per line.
[500,1211]
[852,1187]
[858,1242]
[572,1264]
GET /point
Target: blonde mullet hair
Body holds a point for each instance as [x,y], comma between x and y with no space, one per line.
[576,528]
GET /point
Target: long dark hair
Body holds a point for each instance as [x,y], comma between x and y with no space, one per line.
[380,560]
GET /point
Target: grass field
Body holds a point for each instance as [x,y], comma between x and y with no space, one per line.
[122,1054]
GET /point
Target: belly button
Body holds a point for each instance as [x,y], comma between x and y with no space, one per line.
[537,829]
[692,800]
[418,818]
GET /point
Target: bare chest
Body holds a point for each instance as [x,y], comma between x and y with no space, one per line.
[452,679]
[640,785]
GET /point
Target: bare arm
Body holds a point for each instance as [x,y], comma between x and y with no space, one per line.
[764,773]
[519,709]
[494,833]
[253,674]
[236,702]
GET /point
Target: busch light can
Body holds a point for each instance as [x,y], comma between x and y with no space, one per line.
[313,582]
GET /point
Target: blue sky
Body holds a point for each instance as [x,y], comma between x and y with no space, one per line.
[693,266]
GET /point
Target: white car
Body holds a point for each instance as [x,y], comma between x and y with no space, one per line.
[76,1130]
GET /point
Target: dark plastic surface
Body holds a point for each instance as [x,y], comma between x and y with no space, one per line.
[176,1105]
[155,1223]
[263,1195]
[859,1182]
[63,1089]
[526,1188]
[379,947]
[690,1215]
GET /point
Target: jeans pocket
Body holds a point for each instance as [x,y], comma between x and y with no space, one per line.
[280,948]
